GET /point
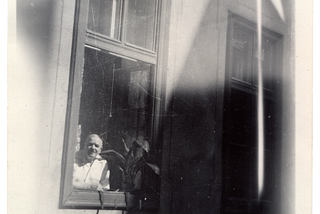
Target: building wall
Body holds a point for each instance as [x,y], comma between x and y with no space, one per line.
[37,98]
[195,89]
[39,78]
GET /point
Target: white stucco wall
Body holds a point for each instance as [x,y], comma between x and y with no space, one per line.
[37,99]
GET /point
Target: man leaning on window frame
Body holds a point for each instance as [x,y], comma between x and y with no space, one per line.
[90,169]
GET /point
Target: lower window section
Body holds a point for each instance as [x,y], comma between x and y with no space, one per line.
[116,103]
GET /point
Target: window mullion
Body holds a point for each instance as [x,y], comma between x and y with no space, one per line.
[124,22]
[117,48]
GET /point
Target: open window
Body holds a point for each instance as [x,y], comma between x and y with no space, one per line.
[115,91]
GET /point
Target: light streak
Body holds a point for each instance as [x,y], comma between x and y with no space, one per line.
[260,107]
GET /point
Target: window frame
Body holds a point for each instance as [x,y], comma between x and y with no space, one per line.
[121,46]
[236,21]
[234,85]
[72,198]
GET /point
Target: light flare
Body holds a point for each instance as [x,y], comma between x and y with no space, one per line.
[260,106]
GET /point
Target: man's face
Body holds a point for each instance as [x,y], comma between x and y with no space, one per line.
[93,147]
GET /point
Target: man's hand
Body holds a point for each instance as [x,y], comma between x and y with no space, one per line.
[96,185]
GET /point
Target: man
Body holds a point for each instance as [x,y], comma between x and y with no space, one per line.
[90,170]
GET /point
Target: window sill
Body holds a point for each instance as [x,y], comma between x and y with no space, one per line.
[137,200]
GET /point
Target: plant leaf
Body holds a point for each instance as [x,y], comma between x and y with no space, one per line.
[154,167]
[125,145]
[144,144]
[113,154]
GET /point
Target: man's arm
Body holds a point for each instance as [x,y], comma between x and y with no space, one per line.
[93,185]
[105,177]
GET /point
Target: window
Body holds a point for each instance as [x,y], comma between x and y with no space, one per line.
[240,137]
[115,91]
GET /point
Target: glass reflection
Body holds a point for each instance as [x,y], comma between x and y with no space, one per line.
[105,17]
[140,23]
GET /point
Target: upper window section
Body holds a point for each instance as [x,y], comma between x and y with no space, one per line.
[130,22]
[243,55]
[242,45]
[140,23]
[105,17]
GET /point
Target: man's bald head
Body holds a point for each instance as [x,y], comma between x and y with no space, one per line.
[93,146]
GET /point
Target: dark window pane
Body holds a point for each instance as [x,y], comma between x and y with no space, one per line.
[140,23]
[105,17]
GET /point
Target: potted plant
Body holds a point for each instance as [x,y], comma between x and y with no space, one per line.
[132,162]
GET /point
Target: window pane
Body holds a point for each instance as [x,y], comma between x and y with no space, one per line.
[115,102]
[140,23]
[242,53]
[267,63]
[105,17]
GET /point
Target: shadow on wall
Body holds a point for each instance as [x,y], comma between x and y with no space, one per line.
[38,25]
[36,35]
[191,121]
[192,155]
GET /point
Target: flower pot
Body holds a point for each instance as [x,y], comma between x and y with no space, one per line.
[127,187]
[130,184]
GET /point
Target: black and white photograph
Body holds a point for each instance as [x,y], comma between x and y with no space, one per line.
[159,106]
